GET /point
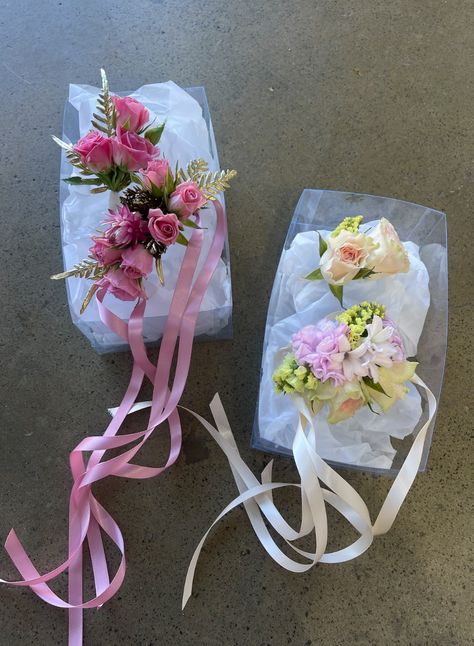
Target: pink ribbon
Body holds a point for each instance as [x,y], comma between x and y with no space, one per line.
[87,517]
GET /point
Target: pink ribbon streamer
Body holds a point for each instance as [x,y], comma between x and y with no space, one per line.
[87,517]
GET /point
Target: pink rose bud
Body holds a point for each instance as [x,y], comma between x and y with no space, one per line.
[121,286]
[186,199]
[130,113]
[136,262]
[95,151]
[104,252]
[163,228]
[155,173]
[132,152]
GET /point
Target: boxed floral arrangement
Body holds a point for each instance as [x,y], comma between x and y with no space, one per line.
[371,249]
[153,132]
[353,358]
[144,238]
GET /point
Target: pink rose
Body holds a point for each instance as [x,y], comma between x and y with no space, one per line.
[186,199]
[125,227]
[120,285]
[163,228]
[104,251]
[155,173]
[132,151]
[95,151]
[130,113]
[136,262]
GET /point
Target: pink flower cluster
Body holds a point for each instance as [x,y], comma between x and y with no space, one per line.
[121,155]
[121,247]
[126,148]
[323,347]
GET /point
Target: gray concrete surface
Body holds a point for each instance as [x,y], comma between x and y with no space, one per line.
[369,96]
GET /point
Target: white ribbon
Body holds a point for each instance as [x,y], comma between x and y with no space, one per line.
[313,470]
[257,495]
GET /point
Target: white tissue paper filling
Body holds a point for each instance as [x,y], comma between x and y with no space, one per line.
[184,138]
[364,439]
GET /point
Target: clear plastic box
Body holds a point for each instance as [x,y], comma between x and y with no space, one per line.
[214,322]
[323,210]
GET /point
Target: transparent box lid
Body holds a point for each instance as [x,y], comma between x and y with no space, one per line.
[426,227]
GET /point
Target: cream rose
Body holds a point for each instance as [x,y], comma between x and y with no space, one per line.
[390,256]
[345,255]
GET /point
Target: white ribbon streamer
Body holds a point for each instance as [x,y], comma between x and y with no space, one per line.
[313,470]
[257,495]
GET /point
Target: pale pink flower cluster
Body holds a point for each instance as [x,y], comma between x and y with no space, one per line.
[326,350]
[323,347]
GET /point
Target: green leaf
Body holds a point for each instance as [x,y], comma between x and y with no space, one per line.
[375,386]
[323,245]
[190,223]
[99,189]
[373,411]
[182,240]
[364,273]
[315,275]
[337,291]
[81,181]
[154,134]
[170,185]
[136,178]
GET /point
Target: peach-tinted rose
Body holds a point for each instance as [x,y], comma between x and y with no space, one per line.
[347,401]
[345,255]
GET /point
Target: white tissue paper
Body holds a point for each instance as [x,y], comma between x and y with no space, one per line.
[364,439]
[186,136]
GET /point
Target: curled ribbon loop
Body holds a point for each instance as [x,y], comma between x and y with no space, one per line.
[87,517]
[256,495]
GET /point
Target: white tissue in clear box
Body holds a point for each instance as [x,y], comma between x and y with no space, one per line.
[364,439]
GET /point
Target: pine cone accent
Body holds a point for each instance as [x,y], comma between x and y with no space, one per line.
[139,200]
[157,249]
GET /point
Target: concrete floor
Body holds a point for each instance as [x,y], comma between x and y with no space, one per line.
[368,96]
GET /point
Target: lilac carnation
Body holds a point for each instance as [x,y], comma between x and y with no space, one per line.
[126,228]
[322,347]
